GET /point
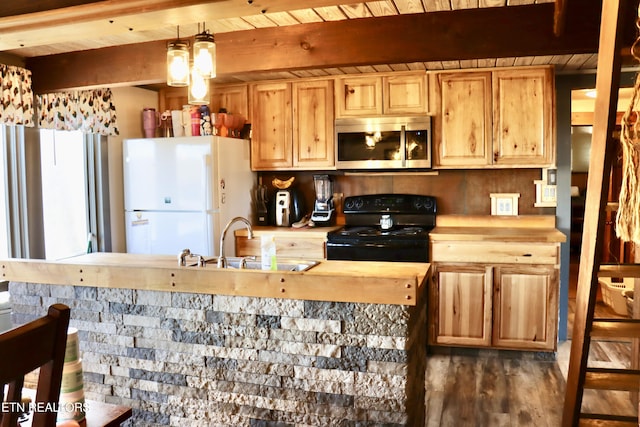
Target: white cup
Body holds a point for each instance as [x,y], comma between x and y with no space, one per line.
[176,122]
[186,120]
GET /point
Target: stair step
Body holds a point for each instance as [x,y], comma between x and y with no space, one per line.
[612,379]
[605,420]
[615,328]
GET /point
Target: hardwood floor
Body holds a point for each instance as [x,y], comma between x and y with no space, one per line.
[470,387]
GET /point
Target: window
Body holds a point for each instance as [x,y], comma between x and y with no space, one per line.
[54,193]
[65,193]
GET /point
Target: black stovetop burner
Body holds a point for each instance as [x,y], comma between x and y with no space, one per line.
[364,232]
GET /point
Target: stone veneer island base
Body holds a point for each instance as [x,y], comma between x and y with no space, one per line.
[194,359]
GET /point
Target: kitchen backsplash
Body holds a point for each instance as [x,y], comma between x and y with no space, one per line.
[457,191]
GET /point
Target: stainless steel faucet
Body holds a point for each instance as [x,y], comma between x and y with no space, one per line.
[182,257]
[222,261]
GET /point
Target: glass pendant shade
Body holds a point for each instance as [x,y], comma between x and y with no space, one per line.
[178,63]
[204,54]
[198,88]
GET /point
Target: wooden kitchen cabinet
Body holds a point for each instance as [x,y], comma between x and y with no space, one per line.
[502,306]
[525,307]
[292,125]
[495,282]
[523,117]
[380,94]
[359,96]
[463,136]
[502,118]
[405,94]
[272,140]
[313,117]
[234,98]
[290,243]
[463,307]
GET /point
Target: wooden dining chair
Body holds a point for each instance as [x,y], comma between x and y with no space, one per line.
[37,344]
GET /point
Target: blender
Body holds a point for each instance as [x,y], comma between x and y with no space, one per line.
[323,212]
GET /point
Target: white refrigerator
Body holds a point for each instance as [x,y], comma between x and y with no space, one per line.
[180,193]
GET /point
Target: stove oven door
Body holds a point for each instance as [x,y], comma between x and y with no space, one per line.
[400,251]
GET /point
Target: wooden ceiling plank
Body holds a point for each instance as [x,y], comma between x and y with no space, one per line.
[229,25]
[409,6]
[357,10]
[492,3]
[505,62]
[306,16]
[260,21]
[487,63]
[437,5]
[382,68]
[434,65]
[416,66]
[450,65]
[330,13]
[382,8]
[464,4]
[469,63]
[282,18]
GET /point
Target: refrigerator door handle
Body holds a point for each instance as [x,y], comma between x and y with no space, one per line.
[206,185]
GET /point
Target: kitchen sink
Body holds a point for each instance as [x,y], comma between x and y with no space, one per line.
[251,263]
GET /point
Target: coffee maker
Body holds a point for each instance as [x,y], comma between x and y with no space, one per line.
[323,210]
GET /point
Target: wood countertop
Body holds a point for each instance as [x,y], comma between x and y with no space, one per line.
[530,229]
[317,232]
[340,281]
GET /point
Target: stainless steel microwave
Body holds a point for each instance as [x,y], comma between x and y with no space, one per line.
[384,142]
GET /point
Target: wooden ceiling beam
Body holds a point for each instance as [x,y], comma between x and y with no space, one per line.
[438,36]
[559,17]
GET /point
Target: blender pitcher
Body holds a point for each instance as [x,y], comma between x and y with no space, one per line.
[323,212]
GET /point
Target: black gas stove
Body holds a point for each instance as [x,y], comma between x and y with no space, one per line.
[384,227]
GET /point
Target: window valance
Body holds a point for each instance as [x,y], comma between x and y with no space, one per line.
[17,96]
[91,111]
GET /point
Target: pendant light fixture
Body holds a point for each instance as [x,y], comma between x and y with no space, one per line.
[198,88]
[204,53]
[178,62]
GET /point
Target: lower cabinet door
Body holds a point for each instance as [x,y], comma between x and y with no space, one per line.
[462,312]
[525,307]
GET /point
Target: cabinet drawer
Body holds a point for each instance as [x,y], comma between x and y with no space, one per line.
[495,252]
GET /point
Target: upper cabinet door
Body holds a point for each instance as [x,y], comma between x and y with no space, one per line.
[405,94]
[313,135]
[523,116]
[463,129]
[235,99]
[358,96]
[271,145]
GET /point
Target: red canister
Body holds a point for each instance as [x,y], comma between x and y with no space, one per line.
[195,121]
